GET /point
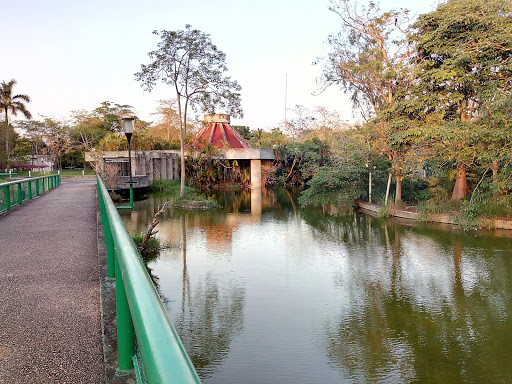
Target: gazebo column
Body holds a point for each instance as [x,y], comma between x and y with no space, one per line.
[255,173]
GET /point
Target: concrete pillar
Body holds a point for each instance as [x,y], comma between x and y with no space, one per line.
[150,171]
[256,203]
[163,172]
[255,173]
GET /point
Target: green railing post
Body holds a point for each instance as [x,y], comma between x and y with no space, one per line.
[125,330]
[20,194]
[42,184]
[109,242]
[7,197]
[131,200]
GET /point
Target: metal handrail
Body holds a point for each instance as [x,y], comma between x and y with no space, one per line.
[42,184]
[141,315]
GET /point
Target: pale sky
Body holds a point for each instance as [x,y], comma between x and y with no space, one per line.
[72,55]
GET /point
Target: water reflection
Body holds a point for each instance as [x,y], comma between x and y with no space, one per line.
[423,306]
[262,291]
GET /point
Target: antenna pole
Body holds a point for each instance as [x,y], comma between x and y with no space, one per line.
[285,97]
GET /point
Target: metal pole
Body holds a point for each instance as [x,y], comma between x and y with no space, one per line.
[129,138]
[387,189]
[8,197]
[20,194]
[125,331]
[370,188]
[109,242]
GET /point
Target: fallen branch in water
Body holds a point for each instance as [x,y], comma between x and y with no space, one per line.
[151,232]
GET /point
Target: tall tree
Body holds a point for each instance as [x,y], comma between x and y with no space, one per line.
[465,57]
[11,103]
[189,62]
[169,119]
[56,137]
[370,59]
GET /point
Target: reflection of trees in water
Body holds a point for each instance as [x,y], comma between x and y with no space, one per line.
[280,203]
[422,307]
[211,316]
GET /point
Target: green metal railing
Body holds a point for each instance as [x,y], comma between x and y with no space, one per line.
[141,316]
[13,193]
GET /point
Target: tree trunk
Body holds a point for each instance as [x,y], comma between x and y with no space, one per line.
[494,168]
[370,187]
[387,189]
[459,190]
[183,127]
[6,120]
[182,158]
[398,193]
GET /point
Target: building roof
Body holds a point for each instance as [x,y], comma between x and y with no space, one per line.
[218,133]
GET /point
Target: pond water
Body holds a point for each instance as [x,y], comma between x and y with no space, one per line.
[262,291]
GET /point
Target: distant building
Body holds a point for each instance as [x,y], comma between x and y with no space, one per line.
[231,145]
[148,166]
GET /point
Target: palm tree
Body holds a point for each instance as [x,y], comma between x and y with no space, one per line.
[13,104]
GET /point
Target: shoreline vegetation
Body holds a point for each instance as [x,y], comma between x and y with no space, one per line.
[453,217]
[192,199]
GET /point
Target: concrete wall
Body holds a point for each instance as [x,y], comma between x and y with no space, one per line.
[249,154]
[157,165]
[147,166]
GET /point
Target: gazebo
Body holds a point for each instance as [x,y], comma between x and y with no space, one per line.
[219,133]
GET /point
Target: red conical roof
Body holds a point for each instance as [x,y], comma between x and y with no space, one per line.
[218,133]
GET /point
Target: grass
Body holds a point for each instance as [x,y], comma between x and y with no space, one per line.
[192,200]
[168,186]
[152,248]
[437,206]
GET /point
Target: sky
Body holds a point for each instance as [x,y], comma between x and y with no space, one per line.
[69,55]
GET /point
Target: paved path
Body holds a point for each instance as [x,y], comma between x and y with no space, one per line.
[50,322]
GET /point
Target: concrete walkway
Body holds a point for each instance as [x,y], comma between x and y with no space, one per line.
[50,322]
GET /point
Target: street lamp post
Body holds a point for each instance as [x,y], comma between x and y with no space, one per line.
[128,131]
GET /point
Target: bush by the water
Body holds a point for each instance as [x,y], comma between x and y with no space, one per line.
[150,249]
[192,200]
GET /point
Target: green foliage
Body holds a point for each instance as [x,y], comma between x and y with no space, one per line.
[437,205]
[244,131]
[167,186]
[195,202]
[73,159]
[415,190]
[368,55]
[192,199]
[205,167]
[13,104]
[300,161]
[337,183]
[190,62]
[150,250]
[464,51]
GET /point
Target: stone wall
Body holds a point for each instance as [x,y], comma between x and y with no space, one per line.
[147,166]
[157,165]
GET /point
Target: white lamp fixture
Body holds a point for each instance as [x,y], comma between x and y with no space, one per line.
[128,125]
